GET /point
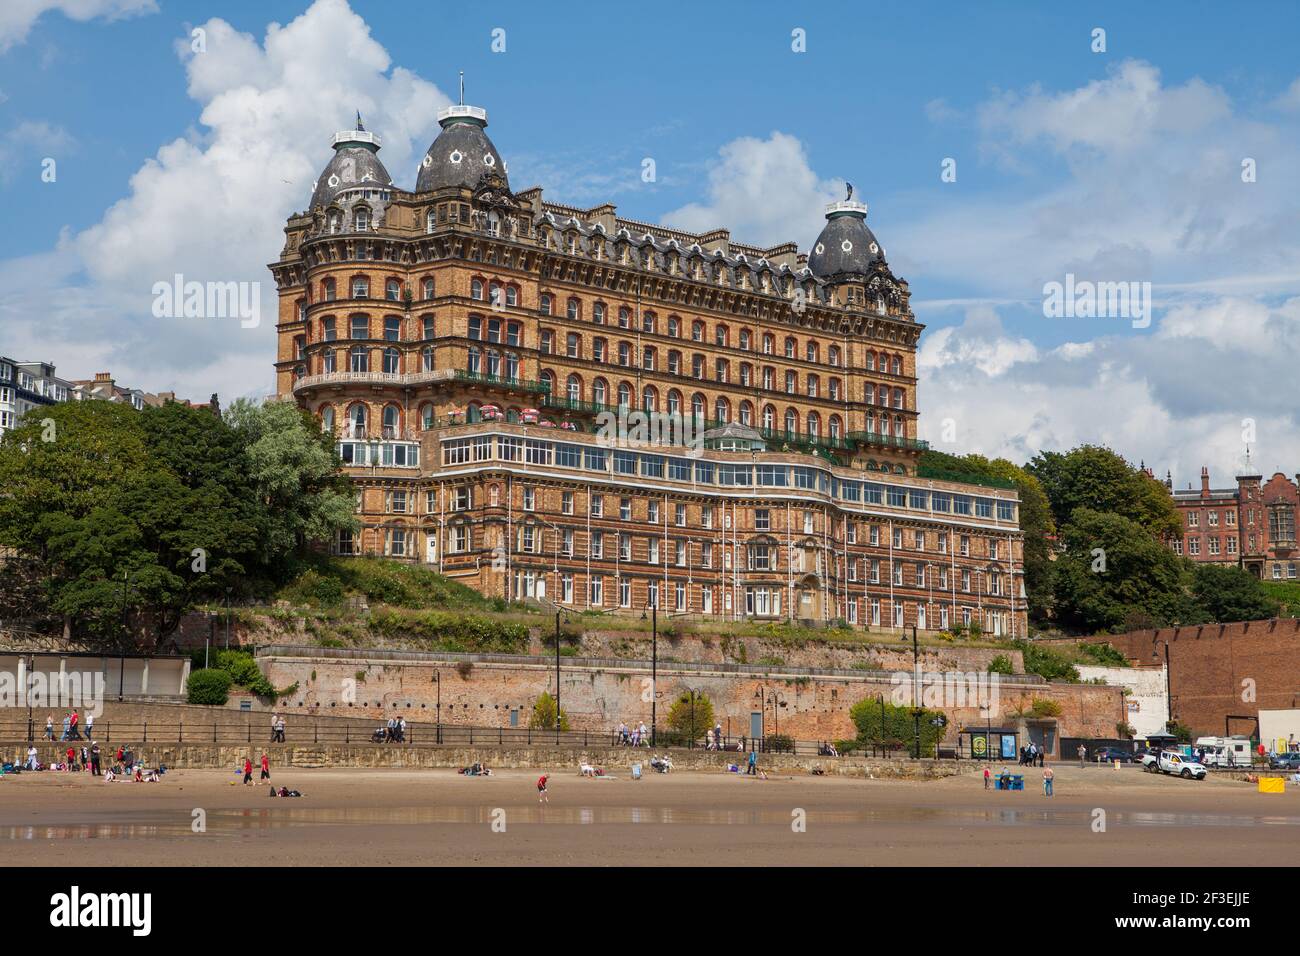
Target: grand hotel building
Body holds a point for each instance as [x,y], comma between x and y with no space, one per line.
[462,340]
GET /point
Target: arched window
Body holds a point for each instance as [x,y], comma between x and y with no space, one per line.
[429,221]
[649,321]
[357,420]
[476,289]
[392,290]
[474,360]
[624,395]
[335,221]
[769,417]
[392,361]
[813,385]
[697,331]
[897,366]
[674,402]
[360,288]
[624,353]
[599,391]
[427,288]
[791,383]
[391,421]
[327,419]
[426,416]
[674,327]
[791,421]
[833,355]
[598,313]
[834,386]
[512,296]
[744,339]
[327,290]
[812,352]
[769,344]
[574,388]
[572,309]
[746,414]
[834,427]
[544,304]
[548,380]
[674,362]
[722,410]
[472,413]
[697,406]
[898,398]
[359,359]
[871,361]
[769,378]
[649,399]
[814,425]
[790,348]
[899,430]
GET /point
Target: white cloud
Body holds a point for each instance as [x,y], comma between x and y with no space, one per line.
[18,16]
[764,191]
[24,147]
[1176,399]
[210,205]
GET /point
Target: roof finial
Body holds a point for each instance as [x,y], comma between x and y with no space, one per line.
[359,126]
[850,192]
[462,87]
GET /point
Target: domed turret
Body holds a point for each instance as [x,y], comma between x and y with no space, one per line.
[355,164]
[846,247]
[462,153]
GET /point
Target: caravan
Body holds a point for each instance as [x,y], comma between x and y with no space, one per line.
[1225,751]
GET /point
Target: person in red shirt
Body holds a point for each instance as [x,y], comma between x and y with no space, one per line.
[266,767]
[541,790]
[71,757]
[248,770]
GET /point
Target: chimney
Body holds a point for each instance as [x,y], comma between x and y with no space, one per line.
[1205,482]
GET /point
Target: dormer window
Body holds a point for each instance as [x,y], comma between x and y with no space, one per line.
[360,288]
[361,218]
[430,221]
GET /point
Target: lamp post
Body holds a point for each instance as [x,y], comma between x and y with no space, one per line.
[437,679]
[1169,691]
[916,691]
[27,689]
[557,675]
[126,634]
[228,590]
[654,667]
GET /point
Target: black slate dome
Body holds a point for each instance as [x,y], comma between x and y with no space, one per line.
[846,247]
[355,164]
[462,153]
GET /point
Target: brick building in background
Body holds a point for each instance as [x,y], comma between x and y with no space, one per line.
[1250,525]
[465,343]
[1221,675]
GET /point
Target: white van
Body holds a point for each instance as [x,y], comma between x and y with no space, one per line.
[1225,751]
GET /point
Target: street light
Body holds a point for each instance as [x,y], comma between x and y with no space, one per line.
[437,679]
[228,590]
[694,695]
[916,695]
[1169,693]
[654,666]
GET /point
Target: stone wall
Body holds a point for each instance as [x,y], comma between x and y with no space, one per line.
[501,693]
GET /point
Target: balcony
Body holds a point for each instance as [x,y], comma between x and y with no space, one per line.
[403,379]
[501,381]
[889,441]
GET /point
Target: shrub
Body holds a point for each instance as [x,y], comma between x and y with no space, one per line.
[544,714]
[208,686]
[1042,707]
[1001,665]
[780,743]
[691,725]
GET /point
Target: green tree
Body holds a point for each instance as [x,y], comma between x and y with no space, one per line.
[544,714]
[1096,478]
[208,686]
[1114,576]
[690,723]
[295,474]
[1231,594]
[892,725]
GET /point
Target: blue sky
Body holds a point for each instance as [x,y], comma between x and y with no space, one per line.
[1121,165]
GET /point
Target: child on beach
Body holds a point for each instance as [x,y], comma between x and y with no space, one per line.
[541,790]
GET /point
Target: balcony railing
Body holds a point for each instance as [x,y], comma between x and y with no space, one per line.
[889,441]
[376,378]
[519,384]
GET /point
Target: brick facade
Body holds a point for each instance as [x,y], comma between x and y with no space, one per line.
[1251,525]
[473,349]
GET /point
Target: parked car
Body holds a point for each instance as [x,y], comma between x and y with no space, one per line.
[1175,764]
[1287,761]
[1110,754]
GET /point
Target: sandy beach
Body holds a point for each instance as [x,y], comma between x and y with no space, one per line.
[437,817]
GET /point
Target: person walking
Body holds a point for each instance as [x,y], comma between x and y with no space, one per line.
[49,726]
[279,728]
[73,722]
[1047,781]
[94,758]
[987,777]
[1083,754]
[31,757]
[72,760]
[248,770]
[67,722]
[751,769]
[541,790]
[401,730]
[90,726]
[266,766]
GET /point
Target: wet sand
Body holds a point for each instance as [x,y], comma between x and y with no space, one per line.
[436,817]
